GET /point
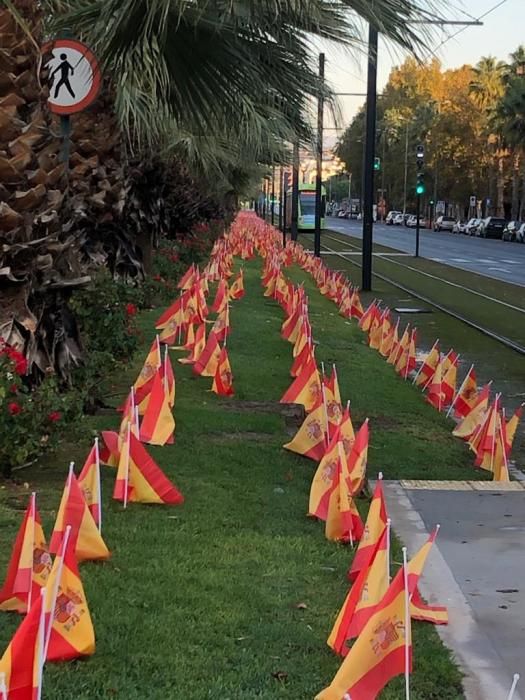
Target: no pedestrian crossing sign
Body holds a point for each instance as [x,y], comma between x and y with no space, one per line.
[74,76]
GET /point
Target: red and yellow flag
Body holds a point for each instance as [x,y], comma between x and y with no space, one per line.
[322,483]
[419,610]
[332,400]
[395,345]
[29,565]
[475,416]
[428,367]
[306,388]
[206,364]
[221,327]
[188,278]
[199,343]
[467,395]
[140,479]
[223,379]
[366,593]
[450,372]
[168,377]
[302,359]
[69,630]
[356,308]
[347,431]
[375,526]
[158,424]
[151,364]
[21,664]
[73,511]
[358,458]
[371,313]
[310,439]
[237,288]
[89,482]
[387,337]
[378,655]
[402,347]
[343,522]
[221,297]
[435,388]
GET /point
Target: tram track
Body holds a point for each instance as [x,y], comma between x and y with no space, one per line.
[481,328]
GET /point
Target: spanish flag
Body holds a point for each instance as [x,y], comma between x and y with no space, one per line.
[476,415]
[387,337]
[69,630]
[363,598]
[448,386]
[419,610]
[356,307]
[395,345]
[378,655]
[302,359]
[221,327]
[467,395]
[332,399]
[175,312]
[223,379]
[310,439]
[221,298]
[151,364]
[371,313]
[428,367]
[402,347]
[22,663]
[358,459]
[237,288]
[168,377]
[206,364]
[343,522]
[375,526]
[188,279]
[89,482]
[73,511]
[29,565]
[199,343]
[347,431]
[140,480]
[435,388]
[323,480]
[306,388]
[377,329]
[158,424]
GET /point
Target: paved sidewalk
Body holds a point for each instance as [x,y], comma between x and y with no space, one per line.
[477,569]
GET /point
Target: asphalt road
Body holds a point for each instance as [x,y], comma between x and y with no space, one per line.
[489,257]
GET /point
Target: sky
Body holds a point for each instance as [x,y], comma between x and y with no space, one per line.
[501,33]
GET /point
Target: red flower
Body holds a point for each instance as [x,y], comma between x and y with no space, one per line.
[157,278]
[14,408]
[174,257]
[13,389]
[131,309]
[19,360]
[54,416]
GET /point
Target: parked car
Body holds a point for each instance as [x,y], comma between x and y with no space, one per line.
[520,234]
[389,221]
[412,221]
[341,214]
[510,231]
[491,227]
[472,227]
[399,220]
[406,217]
[444,223]
[459,227]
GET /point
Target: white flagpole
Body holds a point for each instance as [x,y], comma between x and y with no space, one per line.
[388,526]
[137,422]
[99,485]
[408,351]
[126,481]
[41,643]
[456,397]
[3,689]
[165,369]
[503,443]
[514,684]
[407,627]
[32,510]
[56,586]
[327,432]
[423,363]
[157,338]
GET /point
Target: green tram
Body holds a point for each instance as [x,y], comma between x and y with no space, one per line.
[306,215]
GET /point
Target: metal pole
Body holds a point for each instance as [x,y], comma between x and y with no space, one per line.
[272,203]
[383,177]
[285,211]
[295,192]
[281,188]
[406,173]
[418,213]
[368,166]
[319,174]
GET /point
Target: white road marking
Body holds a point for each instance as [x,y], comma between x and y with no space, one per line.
[499,269]
[512,262]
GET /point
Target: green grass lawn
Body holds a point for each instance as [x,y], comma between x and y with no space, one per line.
[232,595]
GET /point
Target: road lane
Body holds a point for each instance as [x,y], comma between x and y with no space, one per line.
[489,257]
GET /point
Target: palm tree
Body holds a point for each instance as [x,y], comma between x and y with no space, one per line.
[488,85]
[510,118]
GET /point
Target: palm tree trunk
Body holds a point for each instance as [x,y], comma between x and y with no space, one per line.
[500,186]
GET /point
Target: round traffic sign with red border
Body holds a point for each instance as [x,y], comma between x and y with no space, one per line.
[74,76]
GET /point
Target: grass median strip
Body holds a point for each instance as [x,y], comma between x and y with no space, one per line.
[233,594]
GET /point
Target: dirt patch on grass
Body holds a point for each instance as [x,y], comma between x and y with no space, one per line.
[383,422]
[293,414]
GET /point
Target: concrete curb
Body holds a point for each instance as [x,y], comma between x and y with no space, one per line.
[477,657]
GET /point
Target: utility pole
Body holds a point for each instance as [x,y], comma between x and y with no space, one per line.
[265,192]
[406,172]
[285,206]
[295,192]
[272,203]
[368,165]
[420,190]
[319,174]
[281,188]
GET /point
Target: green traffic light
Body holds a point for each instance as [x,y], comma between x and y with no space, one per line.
[420,189]
[377,163]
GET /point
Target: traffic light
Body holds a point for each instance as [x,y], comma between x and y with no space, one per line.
[431,202]
[420,186]
[420,156]
[377,163]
